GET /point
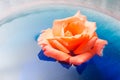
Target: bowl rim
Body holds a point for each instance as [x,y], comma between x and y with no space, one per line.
[22,9]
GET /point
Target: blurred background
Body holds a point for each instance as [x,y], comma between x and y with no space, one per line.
[111,7]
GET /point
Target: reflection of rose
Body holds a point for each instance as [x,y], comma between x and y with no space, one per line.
[72,40]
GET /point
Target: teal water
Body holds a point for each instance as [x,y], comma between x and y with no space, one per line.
[18,47]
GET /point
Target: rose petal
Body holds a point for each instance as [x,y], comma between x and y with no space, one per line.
[58,28]
[56,54]
[90,27]
[87,46]
[79,59]
[99,45]
[58,45]
[80,16]
[71,42]
[82,45]
[60,25]
[68,34]
[46,34]
[75,27]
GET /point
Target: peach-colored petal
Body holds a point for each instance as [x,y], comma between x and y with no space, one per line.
[88,46]
[75,27]
[99,45]
[56,54]
[59,25]
[90,27]
[81,17]
[81,58]
[71,42]
[82,45]
[58,28]
[68,33]
[95,34]
[58,45]
[46,34]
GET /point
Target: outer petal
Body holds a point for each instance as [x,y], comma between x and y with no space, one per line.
[81,17]
[58,28]
[81,58]
[86,47]
[99,45]
[46,34]
[58,45]
[90,28]
[56,54]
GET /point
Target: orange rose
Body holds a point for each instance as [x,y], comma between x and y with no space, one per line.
[72,40]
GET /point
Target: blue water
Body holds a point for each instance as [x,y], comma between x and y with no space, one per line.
[18,38]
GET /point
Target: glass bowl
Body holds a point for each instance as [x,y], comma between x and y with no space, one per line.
[20,27]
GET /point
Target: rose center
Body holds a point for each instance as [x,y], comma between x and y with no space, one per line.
[74,28]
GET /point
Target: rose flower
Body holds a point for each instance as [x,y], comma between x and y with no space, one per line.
[72,40]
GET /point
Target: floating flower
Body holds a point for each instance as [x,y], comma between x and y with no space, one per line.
[72,40]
